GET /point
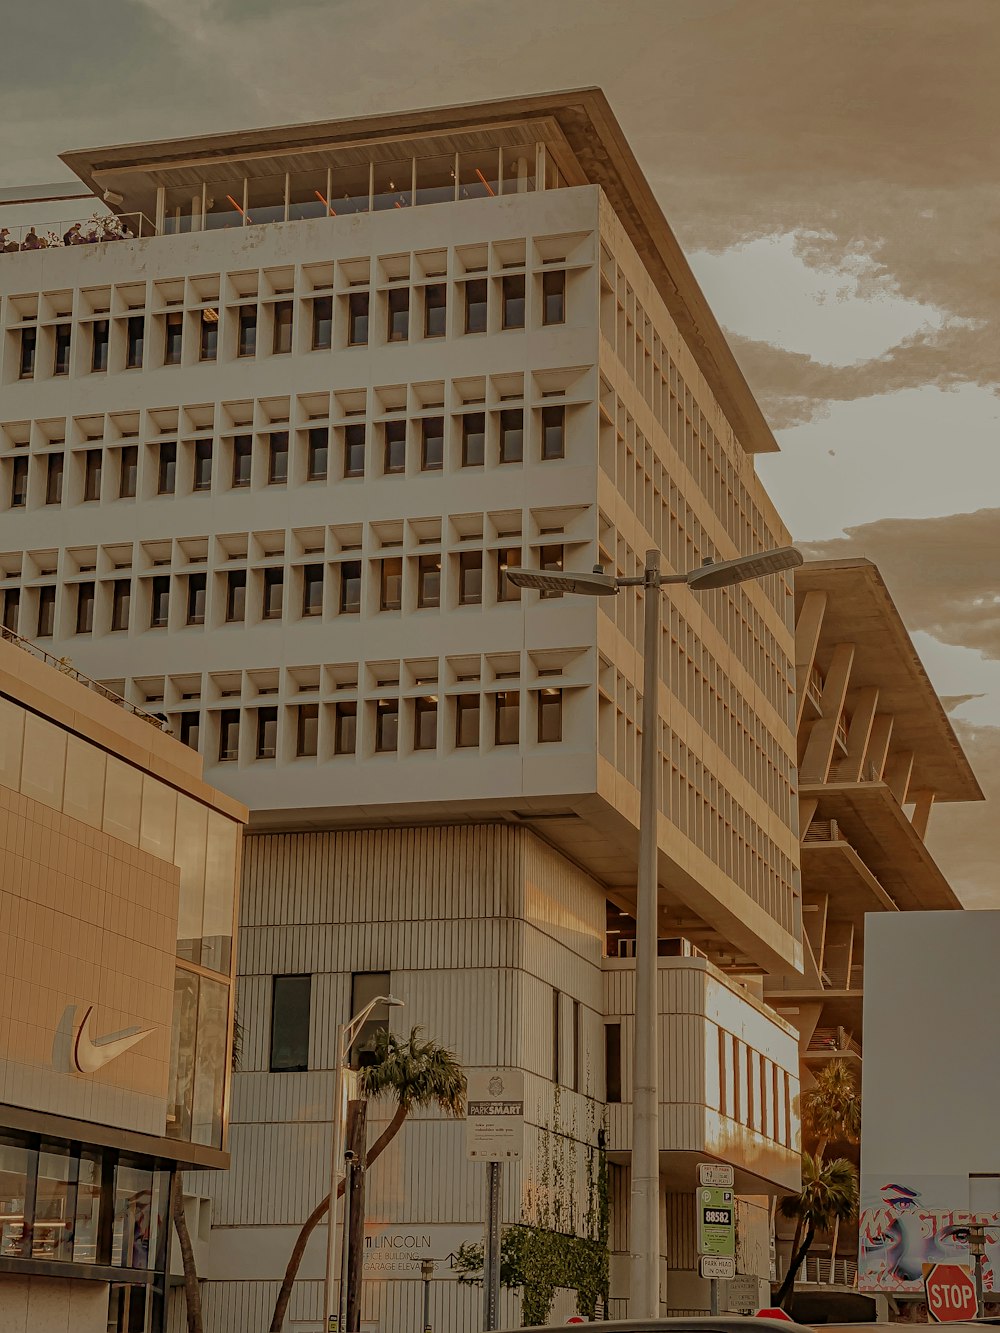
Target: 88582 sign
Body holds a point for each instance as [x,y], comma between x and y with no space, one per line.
[716,1221]
[724,1216]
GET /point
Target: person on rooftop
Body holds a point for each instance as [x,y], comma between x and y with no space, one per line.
[7,243]
[74,236]
[32,241]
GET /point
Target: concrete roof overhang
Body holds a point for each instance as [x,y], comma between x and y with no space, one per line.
[861,611]
[836,870]
[586,140]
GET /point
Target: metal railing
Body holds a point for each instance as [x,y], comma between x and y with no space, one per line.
[92,230]
[833,1041]
[67,668]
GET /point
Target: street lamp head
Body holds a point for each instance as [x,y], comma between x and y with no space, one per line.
[756,566]
[592,585]
[394,1002]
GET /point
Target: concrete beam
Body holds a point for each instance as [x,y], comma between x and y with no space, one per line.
[823,737]
[923,801]
[858,734]
[898,772]
[807,630]
[878,748]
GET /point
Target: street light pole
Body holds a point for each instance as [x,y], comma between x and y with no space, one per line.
[644,1300]
[347,1035]
[644,1296]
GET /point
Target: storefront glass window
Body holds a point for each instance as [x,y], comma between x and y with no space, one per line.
[52,1234]
[88,1209]
[16,1167]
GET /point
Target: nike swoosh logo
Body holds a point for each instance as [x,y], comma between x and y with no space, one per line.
[91,1053]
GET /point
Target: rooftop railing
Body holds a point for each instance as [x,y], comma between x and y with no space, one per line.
[93,230]
[67,668]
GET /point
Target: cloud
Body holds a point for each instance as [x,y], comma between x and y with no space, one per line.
[963,837]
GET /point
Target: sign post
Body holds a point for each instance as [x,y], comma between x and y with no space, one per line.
[715,1202]
[951,1293]
[494,1134]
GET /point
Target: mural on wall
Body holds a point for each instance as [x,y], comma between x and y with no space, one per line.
[904,1226]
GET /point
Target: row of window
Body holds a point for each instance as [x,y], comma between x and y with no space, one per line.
[399,440]
[107,605]
[291,1020]
[419,721]
[342,321]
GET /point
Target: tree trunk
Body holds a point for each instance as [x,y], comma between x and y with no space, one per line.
[787,1287]
[357,1138]
[316,1216]
[192,1289]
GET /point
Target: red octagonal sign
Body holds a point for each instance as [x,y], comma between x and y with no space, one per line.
[951,1293]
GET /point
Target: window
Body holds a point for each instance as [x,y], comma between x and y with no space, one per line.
[291,1001]
[121,603]
[475,306]
[312,590]
[203,465]
[473,439]
[236,595]
[470,578]
[429,580]
[242,460]
[345,728]
[197,594]
[246,337]
[54,479]
[229,735]
[553,432]
[508,558]
[395,446]
[386,725]
[11,609]
[551,559]
[554,297]
[281,338]
[322,326]
[398,330]
[435,310]
[318,459]
[64,341]
[277,459]
[166,477]
[100,337]
[613,1062]
[173,339]
[467,721]
[512,435]
[357,319]
[19,483]
[549,715]
[209,347]
[46,612]
[267,732]
[306,730]
[85,608]
[29,344]
[190,730]
[128,472]
[432,450]
[425,721]
[350,587]
[392,585]
[274,583]
[135,340]
[513,301]
[365,987]
[506,730]
[556,1034]
[354,451]
[159,604]
[576,1046]
[92,467]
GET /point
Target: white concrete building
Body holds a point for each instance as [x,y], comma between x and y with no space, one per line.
[263,469]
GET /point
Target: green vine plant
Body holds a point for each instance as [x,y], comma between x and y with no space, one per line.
[541,1254]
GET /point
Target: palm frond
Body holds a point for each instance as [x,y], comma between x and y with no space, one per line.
[829,1193]
[415,1073]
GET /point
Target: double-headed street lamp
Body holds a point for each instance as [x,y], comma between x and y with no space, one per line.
[644,1295]
[335,1301]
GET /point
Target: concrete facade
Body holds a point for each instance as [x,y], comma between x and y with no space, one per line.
[264,471]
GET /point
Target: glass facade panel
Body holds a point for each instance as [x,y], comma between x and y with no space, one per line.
[435,310]
[435,179]
[135,1220]
[122,801]
[159,818]
[85,596]
[393,185]
[386,725]
[318,460]
[52,1233]
[479,174]
[473,439]
[173,340]
[209,349]
[88,1209]
[350,587]
[470,578]
[312,590]
[277,458]
[92,469]
[46,612]
[425,723]
[273,594]
[10,609]
[189,857]
[429,581]
[100,340]
[43,766]
[220,885]
[54,479]
[432,452]
[513,301]
[135,341]
[550,710]
[322,323]
[266,198]
[246,339]
[182,209]
[476,297]
[398,308]
[358,304]
[11,743]
[351,189]
[395,446]
[354,451]
[210,1062]
[283,314]
[83,797]
[203,465]
[242,460]
[365,987]
[512,435]
[467,721]
[224,204]
[553,432]
[183,1038]
[507,728]
[17,1166]
[518,168]
[392,584]
[307,730]
[345,733]
[307,197]
[128,472]
[63,343]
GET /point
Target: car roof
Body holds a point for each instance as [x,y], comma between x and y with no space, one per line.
[695,1323]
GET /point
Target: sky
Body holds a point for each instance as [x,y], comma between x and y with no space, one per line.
[831,167]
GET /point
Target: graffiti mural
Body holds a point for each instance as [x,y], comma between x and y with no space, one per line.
[902,1228]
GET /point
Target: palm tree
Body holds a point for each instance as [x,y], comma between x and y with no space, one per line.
[831,1109]
[829,1194]
[417,1074]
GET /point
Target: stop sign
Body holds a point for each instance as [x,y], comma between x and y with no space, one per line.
[951,1293]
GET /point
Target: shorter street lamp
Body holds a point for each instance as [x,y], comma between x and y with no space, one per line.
[426,1273]
[347,1035]
[645,1193]
[977,1248]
